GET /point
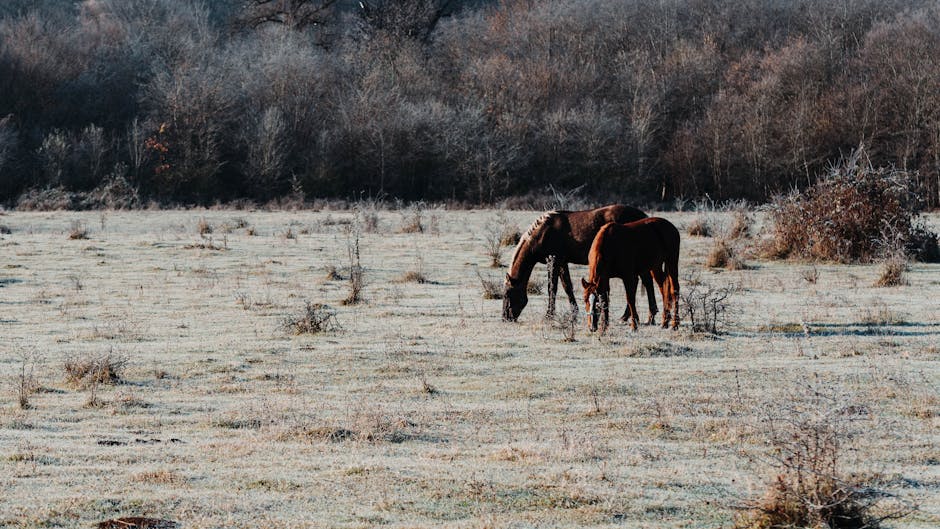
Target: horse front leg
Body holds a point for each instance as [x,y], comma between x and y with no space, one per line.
[605,310]
[552,266]
[569,289]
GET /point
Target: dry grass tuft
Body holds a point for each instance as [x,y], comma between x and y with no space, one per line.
[315,318]
[723,255]
[203,227]
[413,276]
[492,289]
[78,230]
[536,288]
[89,372]
[892,272]
[740,227]
[160,477]
[332,274]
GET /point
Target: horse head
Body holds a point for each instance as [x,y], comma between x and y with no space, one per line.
[515,298]
[592,304]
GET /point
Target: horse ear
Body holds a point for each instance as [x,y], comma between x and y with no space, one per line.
[584,283]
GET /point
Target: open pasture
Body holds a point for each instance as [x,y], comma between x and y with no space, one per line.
[421,407]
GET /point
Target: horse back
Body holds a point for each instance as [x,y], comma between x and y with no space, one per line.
[583,227]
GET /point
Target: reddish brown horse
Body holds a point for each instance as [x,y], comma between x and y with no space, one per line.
[627,251]
[566,236]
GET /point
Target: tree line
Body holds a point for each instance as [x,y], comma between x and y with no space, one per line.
[196,102]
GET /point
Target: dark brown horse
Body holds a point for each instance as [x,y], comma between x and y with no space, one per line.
[627,251]
[566,236]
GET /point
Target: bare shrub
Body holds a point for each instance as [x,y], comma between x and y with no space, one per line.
[810,275]
[492,243]
[840,217]
[567,323]
[87,372]
[50,199]
[315,318]
[412,219]
[356,273]
[708,308]
[78,230]
[25,380]
[811,441]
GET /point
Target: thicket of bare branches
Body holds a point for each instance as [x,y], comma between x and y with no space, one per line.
[469,101]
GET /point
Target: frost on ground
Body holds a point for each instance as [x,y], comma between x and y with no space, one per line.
[232,383]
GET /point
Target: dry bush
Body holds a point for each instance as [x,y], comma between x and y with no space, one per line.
[5,230]
[841,217]
[723,255]
[51,199]
[78,230]
[315,318]
[699,227]
[88,372]
[812,439]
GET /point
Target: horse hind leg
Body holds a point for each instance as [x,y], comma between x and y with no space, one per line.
[674,288]
[664,290]
[651,295]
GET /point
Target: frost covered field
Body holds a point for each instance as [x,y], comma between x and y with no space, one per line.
[421,408]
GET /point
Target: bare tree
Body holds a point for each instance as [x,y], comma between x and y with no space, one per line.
[403,19]
[295,14]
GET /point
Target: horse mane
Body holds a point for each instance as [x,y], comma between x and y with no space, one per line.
[533,229]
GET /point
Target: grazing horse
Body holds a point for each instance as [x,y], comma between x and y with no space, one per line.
[627,251]
[567,236]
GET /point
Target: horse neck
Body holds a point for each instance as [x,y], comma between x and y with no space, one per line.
[523,263]
[597,272]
